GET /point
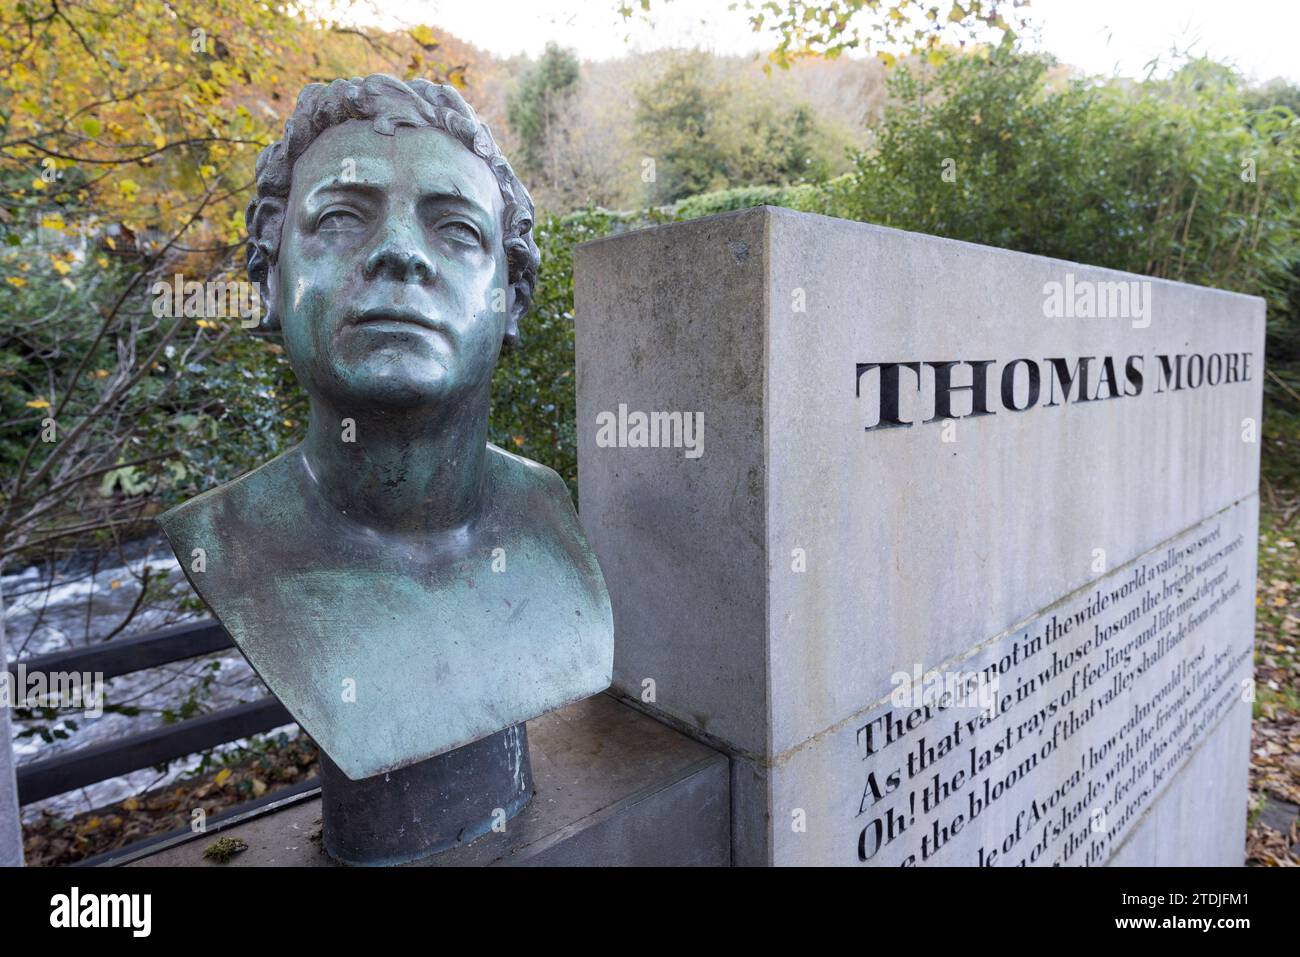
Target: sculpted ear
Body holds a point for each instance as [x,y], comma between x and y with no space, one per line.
[516,308]
[265,219]
[522,257]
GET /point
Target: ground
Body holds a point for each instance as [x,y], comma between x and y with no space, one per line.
[270,765]
[1274,824]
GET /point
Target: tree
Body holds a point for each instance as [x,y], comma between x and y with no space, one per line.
[807,28]
[534,109]
[706,132]
[128,136]
[676,116]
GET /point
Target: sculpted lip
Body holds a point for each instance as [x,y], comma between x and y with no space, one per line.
[395,316]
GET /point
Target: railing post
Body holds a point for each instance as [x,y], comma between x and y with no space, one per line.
[11,831]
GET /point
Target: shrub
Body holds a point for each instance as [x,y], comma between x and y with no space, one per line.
[1154,178]
[807,197]
[534,400]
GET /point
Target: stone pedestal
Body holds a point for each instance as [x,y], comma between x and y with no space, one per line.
[430,807]
[611,787]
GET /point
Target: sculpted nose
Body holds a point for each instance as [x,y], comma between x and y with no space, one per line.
[400,257]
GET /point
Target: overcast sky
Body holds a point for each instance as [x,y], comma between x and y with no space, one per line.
[1100,36]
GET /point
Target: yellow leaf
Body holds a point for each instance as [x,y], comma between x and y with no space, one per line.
[18,281]
[53,222]
[131,804]
[888,59]
[38,404]
[103,262]
[39,183]
[60,267]
[222,776]
[115,584]
[519,440]
[128,188]
[423,36]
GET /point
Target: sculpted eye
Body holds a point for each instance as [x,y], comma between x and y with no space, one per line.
[460,231]
[339,220]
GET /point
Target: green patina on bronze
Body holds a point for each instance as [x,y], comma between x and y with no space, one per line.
[395,551]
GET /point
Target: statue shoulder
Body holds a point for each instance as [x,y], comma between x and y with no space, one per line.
[526,477]
[231,505]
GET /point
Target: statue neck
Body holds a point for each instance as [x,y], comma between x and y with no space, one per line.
[410,471]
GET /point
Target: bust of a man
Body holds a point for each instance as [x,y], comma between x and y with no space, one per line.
[402,585]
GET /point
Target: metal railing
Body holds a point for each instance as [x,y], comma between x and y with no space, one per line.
[80,767]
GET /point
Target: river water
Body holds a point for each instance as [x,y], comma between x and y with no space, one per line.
[77,604]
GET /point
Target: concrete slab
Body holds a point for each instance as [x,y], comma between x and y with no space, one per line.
[613,787]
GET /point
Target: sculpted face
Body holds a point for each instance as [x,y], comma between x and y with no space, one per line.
[389,268]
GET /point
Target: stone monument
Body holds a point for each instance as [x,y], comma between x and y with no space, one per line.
[411,593]
[951,549]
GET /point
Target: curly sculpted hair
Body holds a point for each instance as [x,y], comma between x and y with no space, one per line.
[390,103]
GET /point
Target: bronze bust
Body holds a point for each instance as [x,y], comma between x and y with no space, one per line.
[402,585]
